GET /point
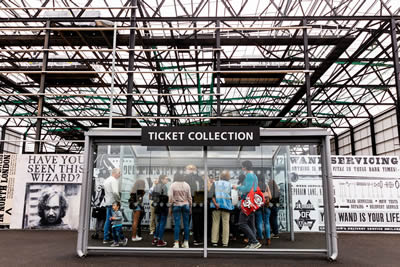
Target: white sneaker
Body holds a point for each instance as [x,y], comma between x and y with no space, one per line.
[185,244]
[124,242]
[137,238]
[176,244]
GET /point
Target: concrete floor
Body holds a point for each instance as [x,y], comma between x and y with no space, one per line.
[57,248]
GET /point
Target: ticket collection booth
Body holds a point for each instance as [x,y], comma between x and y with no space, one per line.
[305,226]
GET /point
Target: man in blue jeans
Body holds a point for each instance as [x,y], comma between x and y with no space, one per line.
[111,195]
[247,223]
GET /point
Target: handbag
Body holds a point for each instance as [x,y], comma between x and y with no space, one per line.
[99,212]
[253,201]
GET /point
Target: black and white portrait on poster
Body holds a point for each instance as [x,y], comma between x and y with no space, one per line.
[47,192]
[51,206]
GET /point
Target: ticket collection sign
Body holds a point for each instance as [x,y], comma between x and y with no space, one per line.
[201,136]
[366,193]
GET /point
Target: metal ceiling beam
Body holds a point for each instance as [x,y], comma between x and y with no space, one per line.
[208,19]
[96,39]
[50,107]
[359,61]
[38,145]
[132,38]
[323,67]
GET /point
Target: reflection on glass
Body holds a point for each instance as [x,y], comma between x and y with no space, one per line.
[163,191]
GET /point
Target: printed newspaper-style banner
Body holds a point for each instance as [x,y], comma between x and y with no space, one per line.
[7,179]
[349,166]
[366,188]
[47,192]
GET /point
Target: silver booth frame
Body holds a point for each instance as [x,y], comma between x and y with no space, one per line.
[315,136]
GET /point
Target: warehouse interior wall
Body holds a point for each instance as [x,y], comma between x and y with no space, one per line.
[386,137]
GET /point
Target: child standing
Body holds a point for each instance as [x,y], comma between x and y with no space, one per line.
[116,222]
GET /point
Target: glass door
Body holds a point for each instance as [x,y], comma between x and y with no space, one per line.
[280,190]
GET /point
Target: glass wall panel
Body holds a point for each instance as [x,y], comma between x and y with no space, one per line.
[306,198]
[163,194]
[291,178]
[149,208]
[230,228]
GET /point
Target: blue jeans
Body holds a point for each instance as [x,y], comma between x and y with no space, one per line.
[178,212]
[161,221]
[274,220]
[107,224]
[262,219]
[117,233]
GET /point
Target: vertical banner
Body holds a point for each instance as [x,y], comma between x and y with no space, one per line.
[367,193]
[7,171]
[366,188]
[47,192]
[307,195]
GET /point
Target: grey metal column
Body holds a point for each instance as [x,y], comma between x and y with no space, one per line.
[329,205]
[290,196]
[307,75]
[113,75]
[205,202]
[42,90]
[352,142]
[325,197]
[395,51]
[24,142]
[373,137]
[132,36]
[3,137]
[86,194]
[218,69]
[336,138]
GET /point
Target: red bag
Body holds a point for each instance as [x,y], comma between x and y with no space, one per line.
[253,201]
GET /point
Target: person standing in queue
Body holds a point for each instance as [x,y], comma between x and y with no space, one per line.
[152,208]
[180,200]
[111,191]
[274,208]
[116,222]
[247,223]
[136,204]
[222,206]
[196,184]
[263,213]
[160,204]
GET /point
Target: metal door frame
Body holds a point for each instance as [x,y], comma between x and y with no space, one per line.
[267,136]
